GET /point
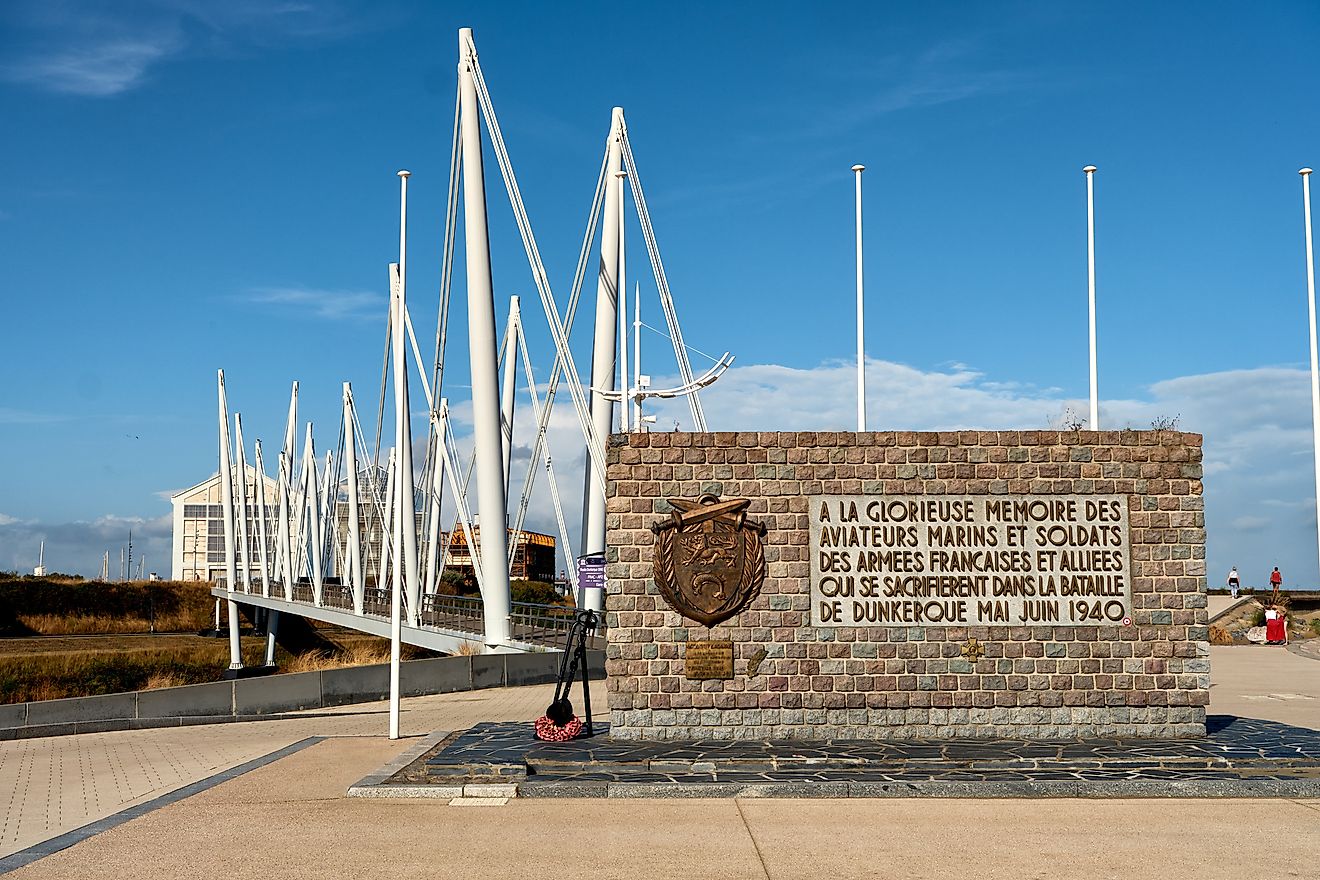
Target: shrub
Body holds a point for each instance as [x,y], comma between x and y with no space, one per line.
[535,592]
[459,583]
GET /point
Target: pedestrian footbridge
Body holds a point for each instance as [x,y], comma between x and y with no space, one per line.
[450,624]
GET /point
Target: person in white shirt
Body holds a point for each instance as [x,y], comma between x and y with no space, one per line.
[1233,581]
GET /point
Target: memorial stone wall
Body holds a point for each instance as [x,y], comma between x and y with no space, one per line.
[1034,584]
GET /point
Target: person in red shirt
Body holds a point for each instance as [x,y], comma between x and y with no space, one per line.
[1276,581]
[1276,627]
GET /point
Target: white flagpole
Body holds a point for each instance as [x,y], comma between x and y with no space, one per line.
[1310,304]
[1090,275]
[637,357]
[624,405]
[403,480]
[861,334]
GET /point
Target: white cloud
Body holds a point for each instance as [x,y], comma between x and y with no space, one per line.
[77,547]
[100,50]
[332,305]
[96,68]
[1259,477]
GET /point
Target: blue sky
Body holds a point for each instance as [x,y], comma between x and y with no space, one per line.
[191,185]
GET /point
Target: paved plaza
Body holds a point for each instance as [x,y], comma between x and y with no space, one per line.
[1239,757]
[290,817]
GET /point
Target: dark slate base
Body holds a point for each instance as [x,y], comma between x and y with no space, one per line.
[1239,757]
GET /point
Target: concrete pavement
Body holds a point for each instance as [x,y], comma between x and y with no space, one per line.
[52,785]
[1217,605]
[1265,681]
[290,818]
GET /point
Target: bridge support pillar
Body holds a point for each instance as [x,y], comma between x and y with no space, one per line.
[272,630]
[487,429]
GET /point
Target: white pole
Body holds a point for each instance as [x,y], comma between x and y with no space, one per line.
[861,324]
[1310,302]
[284,529]
[603,353]
[637,357]
[403,420]
[405,524]
[401,481]
[625,408]
[507,390]
[483,358]
[1090,278]
[227,506]
[244,544]
[389,553]
[326,527]
[262,536]
[312,510]
[354,554]
[433,549]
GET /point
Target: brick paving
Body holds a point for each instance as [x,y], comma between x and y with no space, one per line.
[55,784]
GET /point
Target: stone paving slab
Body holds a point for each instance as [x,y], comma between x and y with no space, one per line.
[51,786]
[1240,757]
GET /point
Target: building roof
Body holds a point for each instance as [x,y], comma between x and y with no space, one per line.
[214,479]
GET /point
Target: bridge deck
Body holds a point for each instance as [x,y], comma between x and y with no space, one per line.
[445,623]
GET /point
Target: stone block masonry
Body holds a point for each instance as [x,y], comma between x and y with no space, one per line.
[814,677]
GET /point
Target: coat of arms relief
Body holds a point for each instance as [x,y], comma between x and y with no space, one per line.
[709,559]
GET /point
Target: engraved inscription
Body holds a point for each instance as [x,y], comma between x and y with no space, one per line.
[707,659]
[1012,560]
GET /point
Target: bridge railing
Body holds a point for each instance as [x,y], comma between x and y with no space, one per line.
[529,621]
[464,613]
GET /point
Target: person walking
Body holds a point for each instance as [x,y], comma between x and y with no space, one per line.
[1233,581]
[1276,582]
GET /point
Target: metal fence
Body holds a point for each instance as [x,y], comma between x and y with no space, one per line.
[528,621]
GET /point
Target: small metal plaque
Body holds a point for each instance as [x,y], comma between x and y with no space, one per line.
[711,658]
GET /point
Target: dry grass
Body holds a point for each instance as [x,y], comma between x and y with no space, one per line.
[99,624]
[62,606]
[165,679]
[95,644]
[357,653]
[471,649]
[49,675]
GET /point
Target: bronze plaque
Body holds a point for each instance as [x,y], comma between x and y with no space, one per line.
[709,560]
[712,658]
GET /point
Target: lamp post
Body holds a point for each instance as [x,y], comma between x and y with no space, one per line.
[861,336]
[1089,170]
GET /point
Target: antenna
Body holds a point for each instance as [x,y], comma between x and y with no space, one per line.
[40,570]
